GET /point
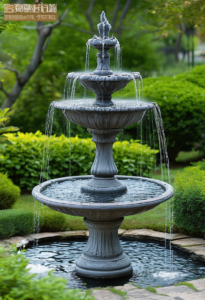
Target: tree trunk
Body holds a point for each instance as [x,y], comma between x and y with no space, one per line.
[36,60]
[177,47]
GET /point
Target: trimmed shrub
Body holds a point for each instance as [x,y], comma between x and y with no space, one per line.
[189,200]
[52,221]
[181,99]
[195,76]
[15,222]
[23,159]
[182,106]
[9,192]
[17,283]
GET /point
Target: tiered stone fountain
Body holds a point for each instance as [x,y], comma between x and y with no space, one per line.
[103,199]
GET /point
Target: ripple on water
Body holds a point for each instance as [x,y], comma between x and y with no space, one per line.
[70,190]
[152,265]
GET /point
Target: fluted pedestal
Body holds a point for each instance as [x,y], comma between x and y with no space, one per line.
[104,168]
[103,256]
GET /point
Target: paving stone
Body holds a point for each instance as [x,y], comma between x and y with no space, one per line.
[200,254]
[188,242]
[121,231]
[106,295]
[155,235]
[47,235]
[16,240]
[128,287]
[199,284]
[171,290]
[74,234]
[119,287]
[192,249]
[145,295]
[188,296]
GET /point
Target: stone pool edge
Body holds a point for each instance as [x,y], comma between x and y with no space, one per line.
[193,246]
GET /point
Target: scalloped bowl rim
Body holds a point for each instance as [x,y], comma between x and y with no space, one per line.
[61,105]
[168,193]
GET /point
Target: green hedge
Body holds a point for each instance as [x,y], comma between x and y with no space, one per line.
[9,192]
[21,222]
[189,200]
[52,221]
[17,283]
[15,222]
[181,99]
[183,110]
[22,160]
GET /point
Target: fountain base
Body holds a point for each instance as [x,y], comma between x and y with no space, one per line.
[98,185]
[103,256]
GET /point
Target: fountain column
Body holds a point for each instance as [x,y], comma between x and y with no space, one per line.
[103,256]
[104,168]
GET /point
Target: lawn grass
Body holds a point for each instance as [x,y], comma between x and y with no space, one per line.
[190,285]
[153,219]
[189,156]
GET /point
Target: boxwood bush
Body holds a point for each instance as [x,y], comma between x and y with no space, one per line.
[17,283]
[21,221]
[182,107]
[15,222]
[181,99]
[22,160]
[189,200]
[9,192]
[52,221]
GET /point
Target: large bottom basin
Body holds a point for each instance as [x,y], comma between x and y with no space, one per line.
[153,264]
[103,256]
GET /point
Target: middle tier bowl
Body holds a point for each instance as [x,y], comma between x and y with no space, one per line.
[122,114]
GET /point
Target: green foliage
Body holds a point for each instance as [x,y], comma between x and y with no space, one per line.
[5,114]
[181,100]
[139,53]
[23,159]
[118,292]
[9,192]
[188,284]
[17,283]
[195,76]
[20,221]
[15,222]
[151,289]
[170,14]
[200,164]
[182,107]
[52,221]
[189,200]
[2,22]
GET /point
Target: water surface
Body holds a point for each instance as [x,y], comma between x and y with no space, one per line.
[152,265]
[70,190]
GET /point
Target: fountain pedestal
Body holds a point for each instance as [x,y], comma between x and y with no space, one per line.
[103,256]
[104,168]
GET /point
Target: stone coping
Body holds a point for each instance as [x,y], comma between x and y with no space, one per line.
[194,246]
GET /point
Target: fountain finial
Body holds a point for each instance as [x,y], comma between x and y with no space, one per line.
[104,27]
[103,17]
